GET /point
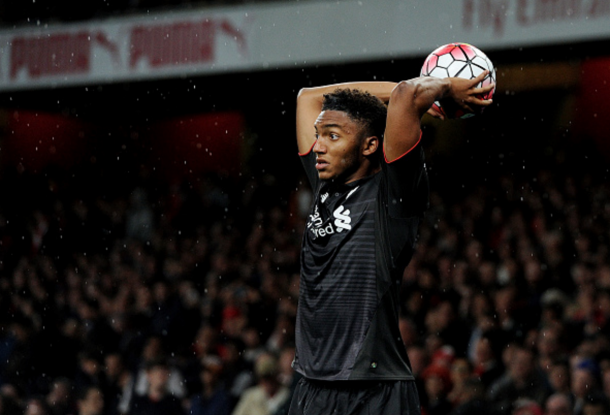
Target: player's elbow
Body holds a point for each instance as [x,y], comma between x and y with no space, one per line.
[304,94]
[404,91]
[417,94]
[405,95]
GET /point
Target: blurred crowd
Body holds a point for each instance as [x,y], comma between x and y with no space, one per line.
[181,299]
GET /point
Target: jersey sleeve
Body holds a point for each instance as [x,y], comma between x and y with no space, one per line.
[407,184]
[309,164]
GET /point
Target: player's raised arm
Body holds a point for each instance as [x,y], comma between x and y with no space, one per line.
[411,99]
[309,105]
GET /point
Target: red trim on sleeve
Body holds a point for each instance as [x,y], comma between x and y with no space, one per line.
[308,151]
[401,156]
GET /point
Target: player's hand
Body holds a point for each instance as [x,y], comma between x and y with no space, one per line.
[465,94]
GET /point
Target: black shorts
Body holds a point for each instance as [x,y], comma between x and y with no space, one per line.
[315,397]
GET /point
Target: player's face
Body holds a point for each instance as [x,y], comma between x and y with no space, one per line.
[337,146]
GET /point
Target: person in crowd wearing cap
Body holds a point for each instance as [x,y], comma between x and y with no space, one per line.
[268,395]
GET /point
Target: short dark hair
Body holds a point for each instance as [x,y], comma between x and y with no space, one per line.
[360,106]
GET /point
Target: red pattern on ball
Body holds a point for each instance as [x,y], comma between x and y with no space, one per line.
[439,65]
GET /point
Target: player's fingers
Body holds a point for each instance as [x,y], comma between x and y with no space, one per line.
[480,77]
[483,74]
[483,89]
[480,102]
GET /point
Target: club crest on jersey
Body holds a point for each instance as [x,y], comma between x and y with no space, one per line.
[342,222]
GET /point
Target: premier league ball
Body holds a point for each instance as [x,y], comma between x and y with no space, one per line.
[459,60]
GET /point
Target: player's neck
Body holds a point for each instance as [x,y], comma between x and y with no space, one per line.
[365,169]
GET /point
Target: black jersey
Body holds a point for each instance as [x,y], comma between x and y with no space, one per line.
[359,238]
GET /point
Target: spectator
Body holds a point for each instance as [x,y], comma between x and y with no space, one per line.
[268,395]
[472,399]
[118,386]
[549,346]
[89,371]
[419,361]
[487,365]
[559,377]
[596,404]
[558,404]
[206,341]
[213,399]
[437,383]
[237,375]
[285,370]
[36,406]
[461,371]
[583,383]
[8,406]
[287,376]
[252,344]
[154,351]
[59,398]
[19,369]
[157,400]
[526,407]
[521,380]
[90,401]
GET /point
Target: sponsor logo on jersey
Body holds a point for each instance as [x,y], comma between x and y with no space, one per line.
[315,220]
[342,222]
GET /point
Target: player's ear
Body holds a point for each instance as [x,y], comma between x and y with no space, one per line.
[370,145]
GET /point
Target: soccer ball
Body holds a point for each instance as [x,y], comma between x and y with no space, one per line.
[459,60]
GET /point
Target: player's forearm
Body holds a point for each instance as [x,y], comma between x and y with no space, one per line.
[382,90]
[409,101]
[420,93]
